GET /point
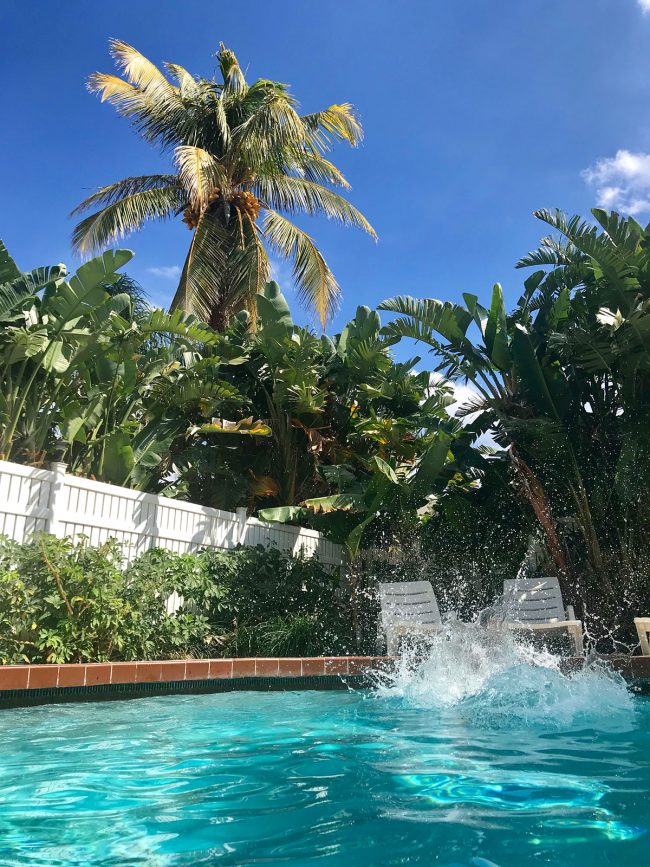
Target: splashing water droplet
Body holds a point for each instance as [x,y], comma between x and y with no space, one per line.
[495,678]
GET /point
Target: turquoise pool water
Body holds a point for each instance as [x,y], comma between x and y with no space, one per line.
[342,778]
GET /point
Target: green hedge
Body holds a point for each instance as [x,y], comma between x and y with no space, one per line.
[65,602]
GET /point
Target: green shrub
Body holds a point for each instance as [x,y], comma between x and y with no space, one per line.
[64,602]
[277,605]
[69,602]
[154,577]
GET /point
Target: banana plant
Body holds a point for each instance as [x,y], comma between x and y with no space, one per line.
[17,287]
[104,385]
[143,394]
[43,333]
[285,372]
[507,374]
[386,493]
[392,433]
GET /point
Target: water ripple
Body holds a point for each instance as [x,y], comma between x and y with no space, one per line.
[297,778]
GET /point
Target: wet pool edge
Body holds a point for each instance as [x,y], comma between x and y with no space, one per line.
[27,685]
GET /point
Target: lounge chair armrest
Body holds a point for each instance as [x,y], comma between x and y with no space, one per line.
[573,627]
[570,613]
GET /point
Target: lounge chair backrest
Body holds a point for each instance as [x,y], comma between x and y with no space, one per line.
[408,602]
[533,600]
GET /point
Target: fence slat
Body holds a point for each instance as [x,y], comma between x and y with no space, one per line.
[38,500]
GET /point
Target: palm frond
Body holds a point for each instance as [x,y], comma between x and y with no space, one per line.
[413,329]
[555,281]
[249,269]
[224,269]
[138,299]
[336,123]
[300,196]
[115,90]
[474,404]
[199,288]
[181,325]
[269,124]
[191,391]
[551,251]
[454,366]
[585,238]
[314,167]
[152,117]
[138,70]
[124,216]
[127,187]
[624,232]
[316,284]
[187,83]
[169,117]
[450,320]
[233,77]
[219,126]
[200,174]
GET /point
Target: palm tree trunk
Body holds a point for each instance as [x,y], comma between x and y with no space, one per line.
[590,536]
[219,318]
[531,489]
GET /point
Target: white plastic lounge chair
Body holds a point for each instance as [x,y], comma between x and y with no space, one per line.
[536,604]
[407,608]
[643,631]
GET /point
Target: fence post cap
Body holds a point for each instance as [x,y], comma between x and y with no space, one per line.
[58,466]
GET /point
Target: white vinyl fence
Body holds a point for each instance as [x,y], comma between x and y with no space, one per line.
[50,501]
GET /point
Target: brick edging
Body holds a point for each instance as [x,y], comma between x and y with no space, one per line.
[16,678]
[29,677]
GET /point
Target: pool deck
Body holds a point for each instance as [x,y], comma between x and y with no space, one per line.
[44,684]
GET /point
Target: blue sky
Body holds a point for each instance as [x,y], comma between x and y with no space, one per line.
[475,114]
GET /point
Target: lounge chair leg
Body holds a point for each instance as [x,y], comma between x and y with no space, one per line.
[578,640]
[642,632]
[392,643]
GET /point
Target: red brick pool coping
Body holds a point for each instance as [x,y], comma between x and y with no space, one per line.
[50,677]
[17,677]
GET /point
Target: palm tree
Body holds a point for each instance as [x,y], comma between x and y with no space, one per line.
[244,158]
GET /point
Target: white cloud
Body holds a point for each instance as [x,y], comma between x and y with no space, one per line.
[622,182]
[644,4]
[463,392]
[167,272]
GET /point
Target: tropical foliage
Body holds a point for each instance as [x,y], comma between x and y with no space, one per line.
[335,433]
[332,432]
[563,383]
[245,160]
[353,434]
[93,378]
[62,602]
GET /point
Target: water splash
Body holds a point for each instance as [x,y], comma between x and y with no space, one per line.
[493,677]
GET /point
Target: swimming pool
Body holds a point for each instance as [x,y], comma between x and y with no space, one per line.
[348,778]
